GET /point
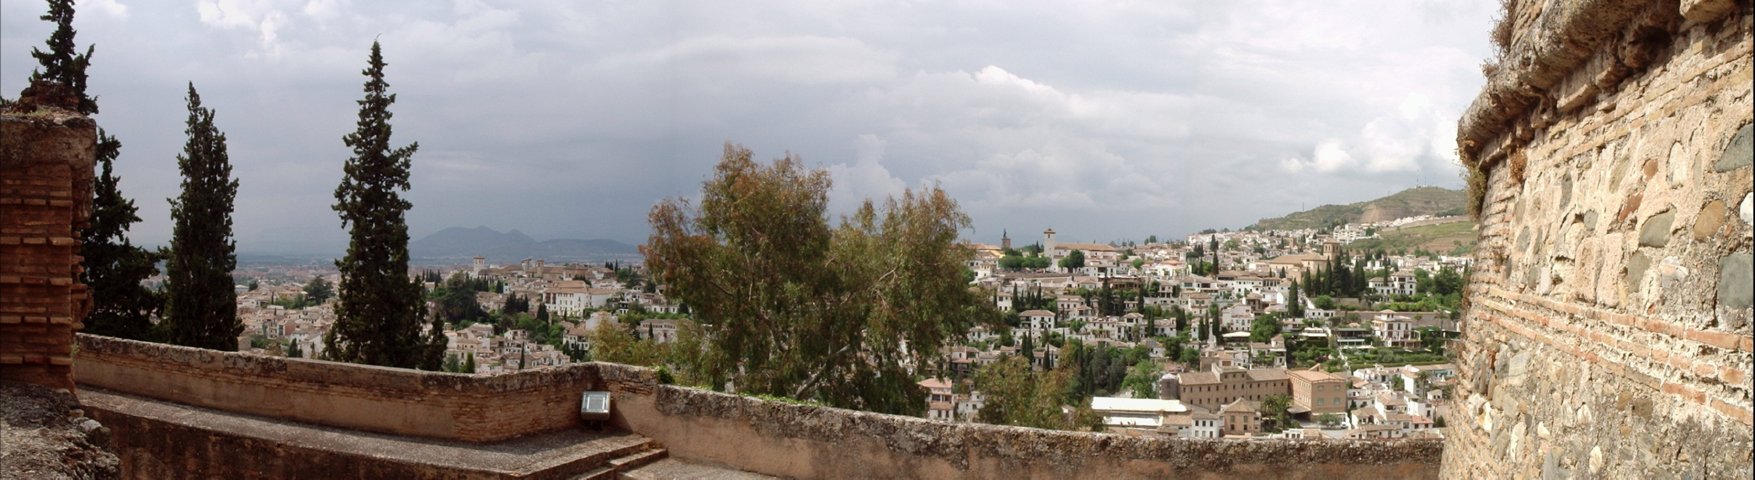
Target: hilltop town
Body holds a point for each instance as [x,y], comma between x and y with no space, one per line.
[1255,333]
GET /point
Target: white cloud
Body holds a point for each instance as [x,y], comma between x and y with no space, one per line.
[866,178]
[1408,139]
[258,16]
[113,8]
[1104,119]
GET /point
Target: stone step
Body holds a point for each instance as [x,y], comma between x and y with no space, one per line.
[164,440]
[616,467]
[674,469]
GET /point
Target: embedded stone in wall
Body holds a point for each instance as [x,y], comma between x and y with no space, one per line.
[1739,153]
[1736,283]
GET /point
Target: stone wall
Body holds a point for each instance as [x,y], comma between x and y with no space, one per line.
[472,408]
[804,441]
[46,159]
[1607,331]
[737,432]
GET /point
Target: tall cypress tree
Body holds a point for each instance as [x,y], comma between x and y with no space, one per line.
[201,308]
[60,65]
[378,320]
[114,267]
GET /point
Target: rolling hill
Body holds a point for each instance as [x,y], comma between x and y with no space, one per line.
[462,244]
[1435,201]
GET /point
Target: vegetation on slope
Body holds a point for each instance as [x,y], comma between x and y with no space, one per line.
[1450,238]
[1433,201]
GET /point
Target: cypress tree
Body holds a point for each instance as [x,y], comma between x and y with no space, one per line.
[202,309]
[114,267]
[379,316]
[60,65]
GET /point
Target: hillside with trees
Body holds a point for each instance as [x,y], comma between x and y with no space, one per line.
[1415,201]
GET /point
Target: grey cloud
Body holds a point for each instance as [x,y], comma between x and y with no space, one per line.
[1104,120]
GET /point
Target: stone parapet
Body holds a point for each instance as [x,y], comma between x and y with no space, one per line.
[741,433]
[804,441]
[46,160]
[472,408]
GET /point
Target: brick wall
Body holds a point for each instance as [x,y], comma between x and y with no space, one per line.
[473,408]
[46,160]
[1608,324]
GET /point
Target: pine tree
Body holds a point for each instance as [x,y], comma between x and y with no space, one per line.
[201,308]
[60,65]
[114,267]
[378,320]
[469,363]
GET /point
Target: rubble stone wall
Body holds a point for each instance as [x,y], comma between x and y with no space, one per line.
[46,159]
[1608,322]
[473,408]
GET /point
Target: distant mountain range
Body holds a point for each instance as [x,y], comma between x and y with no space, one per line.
[462,244]
[1433,201]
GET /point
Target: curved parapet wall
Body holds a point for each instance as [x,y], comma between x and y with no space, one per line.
[1608,326]
[472,408]
[695,425]
[802,441]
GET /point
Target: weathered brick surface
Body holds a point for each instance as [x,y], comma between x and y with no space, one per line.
[46,160]
[1608,327]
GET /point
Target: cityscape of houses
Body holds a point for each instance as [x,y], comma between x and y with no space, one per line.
[1239,349]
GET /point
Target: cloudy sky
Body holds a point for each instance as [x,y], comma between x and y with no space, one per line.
[1104,120]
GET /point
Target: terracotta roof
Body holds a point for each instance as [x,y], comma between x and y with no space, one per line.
[1199,378]
[1264,374]
[1314,376]
[1241,406]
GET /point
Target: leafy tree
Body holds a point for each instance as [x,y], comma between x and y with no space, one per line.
[114,267]
[458,305]
[62,69]
[807,311]
[1263,328]
[1142,379]
[254,285]
[201,305]
[1273,412]
[452,363]
[319,290]
[294,350]
[615,343]
[1073,260]
[378,320]
[1019,396]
